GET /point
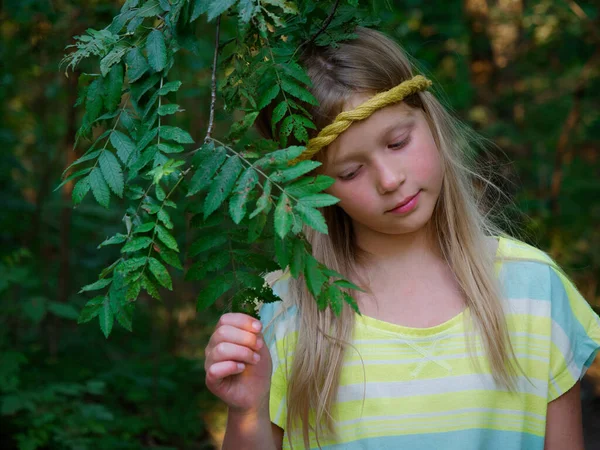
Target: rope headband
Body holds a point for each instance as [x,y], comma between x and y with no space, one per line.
[344,119]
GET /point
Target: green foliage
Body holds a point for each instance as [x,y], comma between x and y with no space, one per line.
[222,179]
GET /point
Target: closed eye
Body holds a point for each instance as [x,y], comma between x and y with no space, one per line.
[404,142]
[349,176]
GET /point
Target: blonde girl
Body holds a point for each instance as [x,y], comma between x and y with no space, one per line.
[467,339]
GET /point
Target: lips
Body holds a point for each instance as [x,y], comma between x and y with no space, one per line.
[403,202]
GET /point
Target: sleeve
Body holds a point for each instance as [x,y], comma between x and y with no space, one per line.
[276,322]
[575,335]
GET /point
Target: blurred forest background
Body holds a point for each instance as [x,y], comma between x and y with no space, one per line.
[524,74]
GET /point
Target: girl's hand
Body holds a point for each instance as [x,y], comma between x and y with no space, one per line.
[238,364]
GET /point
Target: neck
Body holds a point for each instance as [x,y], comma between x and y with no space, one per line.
[406,253]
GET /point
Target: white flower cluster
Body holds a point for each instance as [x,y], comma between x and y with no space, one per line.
[257,304]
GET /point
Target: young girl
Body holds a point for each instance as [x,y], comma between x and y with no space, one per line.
[467,339]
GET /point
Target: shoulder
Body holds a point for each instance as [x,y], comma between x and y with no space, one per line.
[533,283]
[510,249]
[524,270]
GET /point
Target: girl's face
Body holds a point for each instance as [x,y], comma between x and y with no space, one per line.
[388,170]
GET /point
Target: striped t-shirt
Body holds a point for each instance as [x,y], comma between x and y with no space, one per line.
[420,389]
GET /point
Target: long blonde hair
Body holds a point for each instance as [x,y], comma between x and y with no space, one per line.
[374,63]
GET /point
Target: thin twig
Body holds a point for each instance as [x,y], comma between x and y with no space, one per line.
[322,29]
[213,89]
[239,155]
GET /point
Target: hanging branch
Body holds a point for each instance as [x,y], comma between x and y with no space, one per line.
[213,88]
[138,61]
[322,29]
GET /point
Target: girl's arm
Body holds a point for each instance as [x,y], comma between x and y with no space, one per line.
[252,431]
[563,421]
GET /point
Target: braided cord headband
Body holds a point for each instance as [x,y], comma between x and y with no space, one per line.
[344,119]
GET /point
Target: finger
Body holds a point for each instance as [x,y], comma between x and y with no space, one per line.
[226,351]
[220,370]
[228,333]
[239,320]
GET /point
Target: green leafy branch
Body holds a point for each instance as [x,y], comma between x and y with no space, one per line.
[248,204]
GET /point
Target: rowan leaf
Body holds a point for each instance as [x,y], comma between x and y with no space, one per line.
[282,252]
[111,170]
[350,300]
[146,139]
[222,185]
[245,9]
[295,70]
[166,238]
[124,145]
[113,57]
[171,86]
[280,156]
[150,287]
[160,272]
[283,216]
[214,289]
[278,113]
[143,228]
[218,7]
[200,7]
[136,243]
[73,176]
[170,148]
[295,171]
[286,126]
[88,156]
[91,309]
[312,217]
[93,102]
[256,226]
[314,276]
[171,108]
[264,201]
[175,134]
[298,91]
[106,317]
[245,184]
[97,285]
[309,185]
[112,87]
[300,132]
[336,299]
[268,96]
[207,242]
[165,218]
[171,258]
[157,50]
[150,8]
[137,65]
[125,315]
[116,239]
[99,187]
[211,160]
[132,264]
[80,190]
[297,259]
[318,200]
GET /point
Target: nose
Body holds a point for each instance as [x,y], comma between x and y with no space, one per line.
[389,178]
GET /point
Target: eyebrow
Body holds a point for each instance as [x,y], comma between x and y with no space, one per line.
[406,120]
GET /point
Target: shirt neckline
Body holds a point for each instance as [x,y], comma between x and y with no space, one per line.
[443,327]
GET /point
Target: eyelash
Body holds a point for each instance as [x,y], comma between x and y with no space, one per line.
[398,145]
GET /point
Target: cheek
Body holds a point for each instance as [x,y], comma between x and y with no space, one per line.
[428,165]
[353,197]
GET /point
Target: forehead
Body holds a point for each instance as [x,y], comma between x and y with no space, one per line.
[364,133]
